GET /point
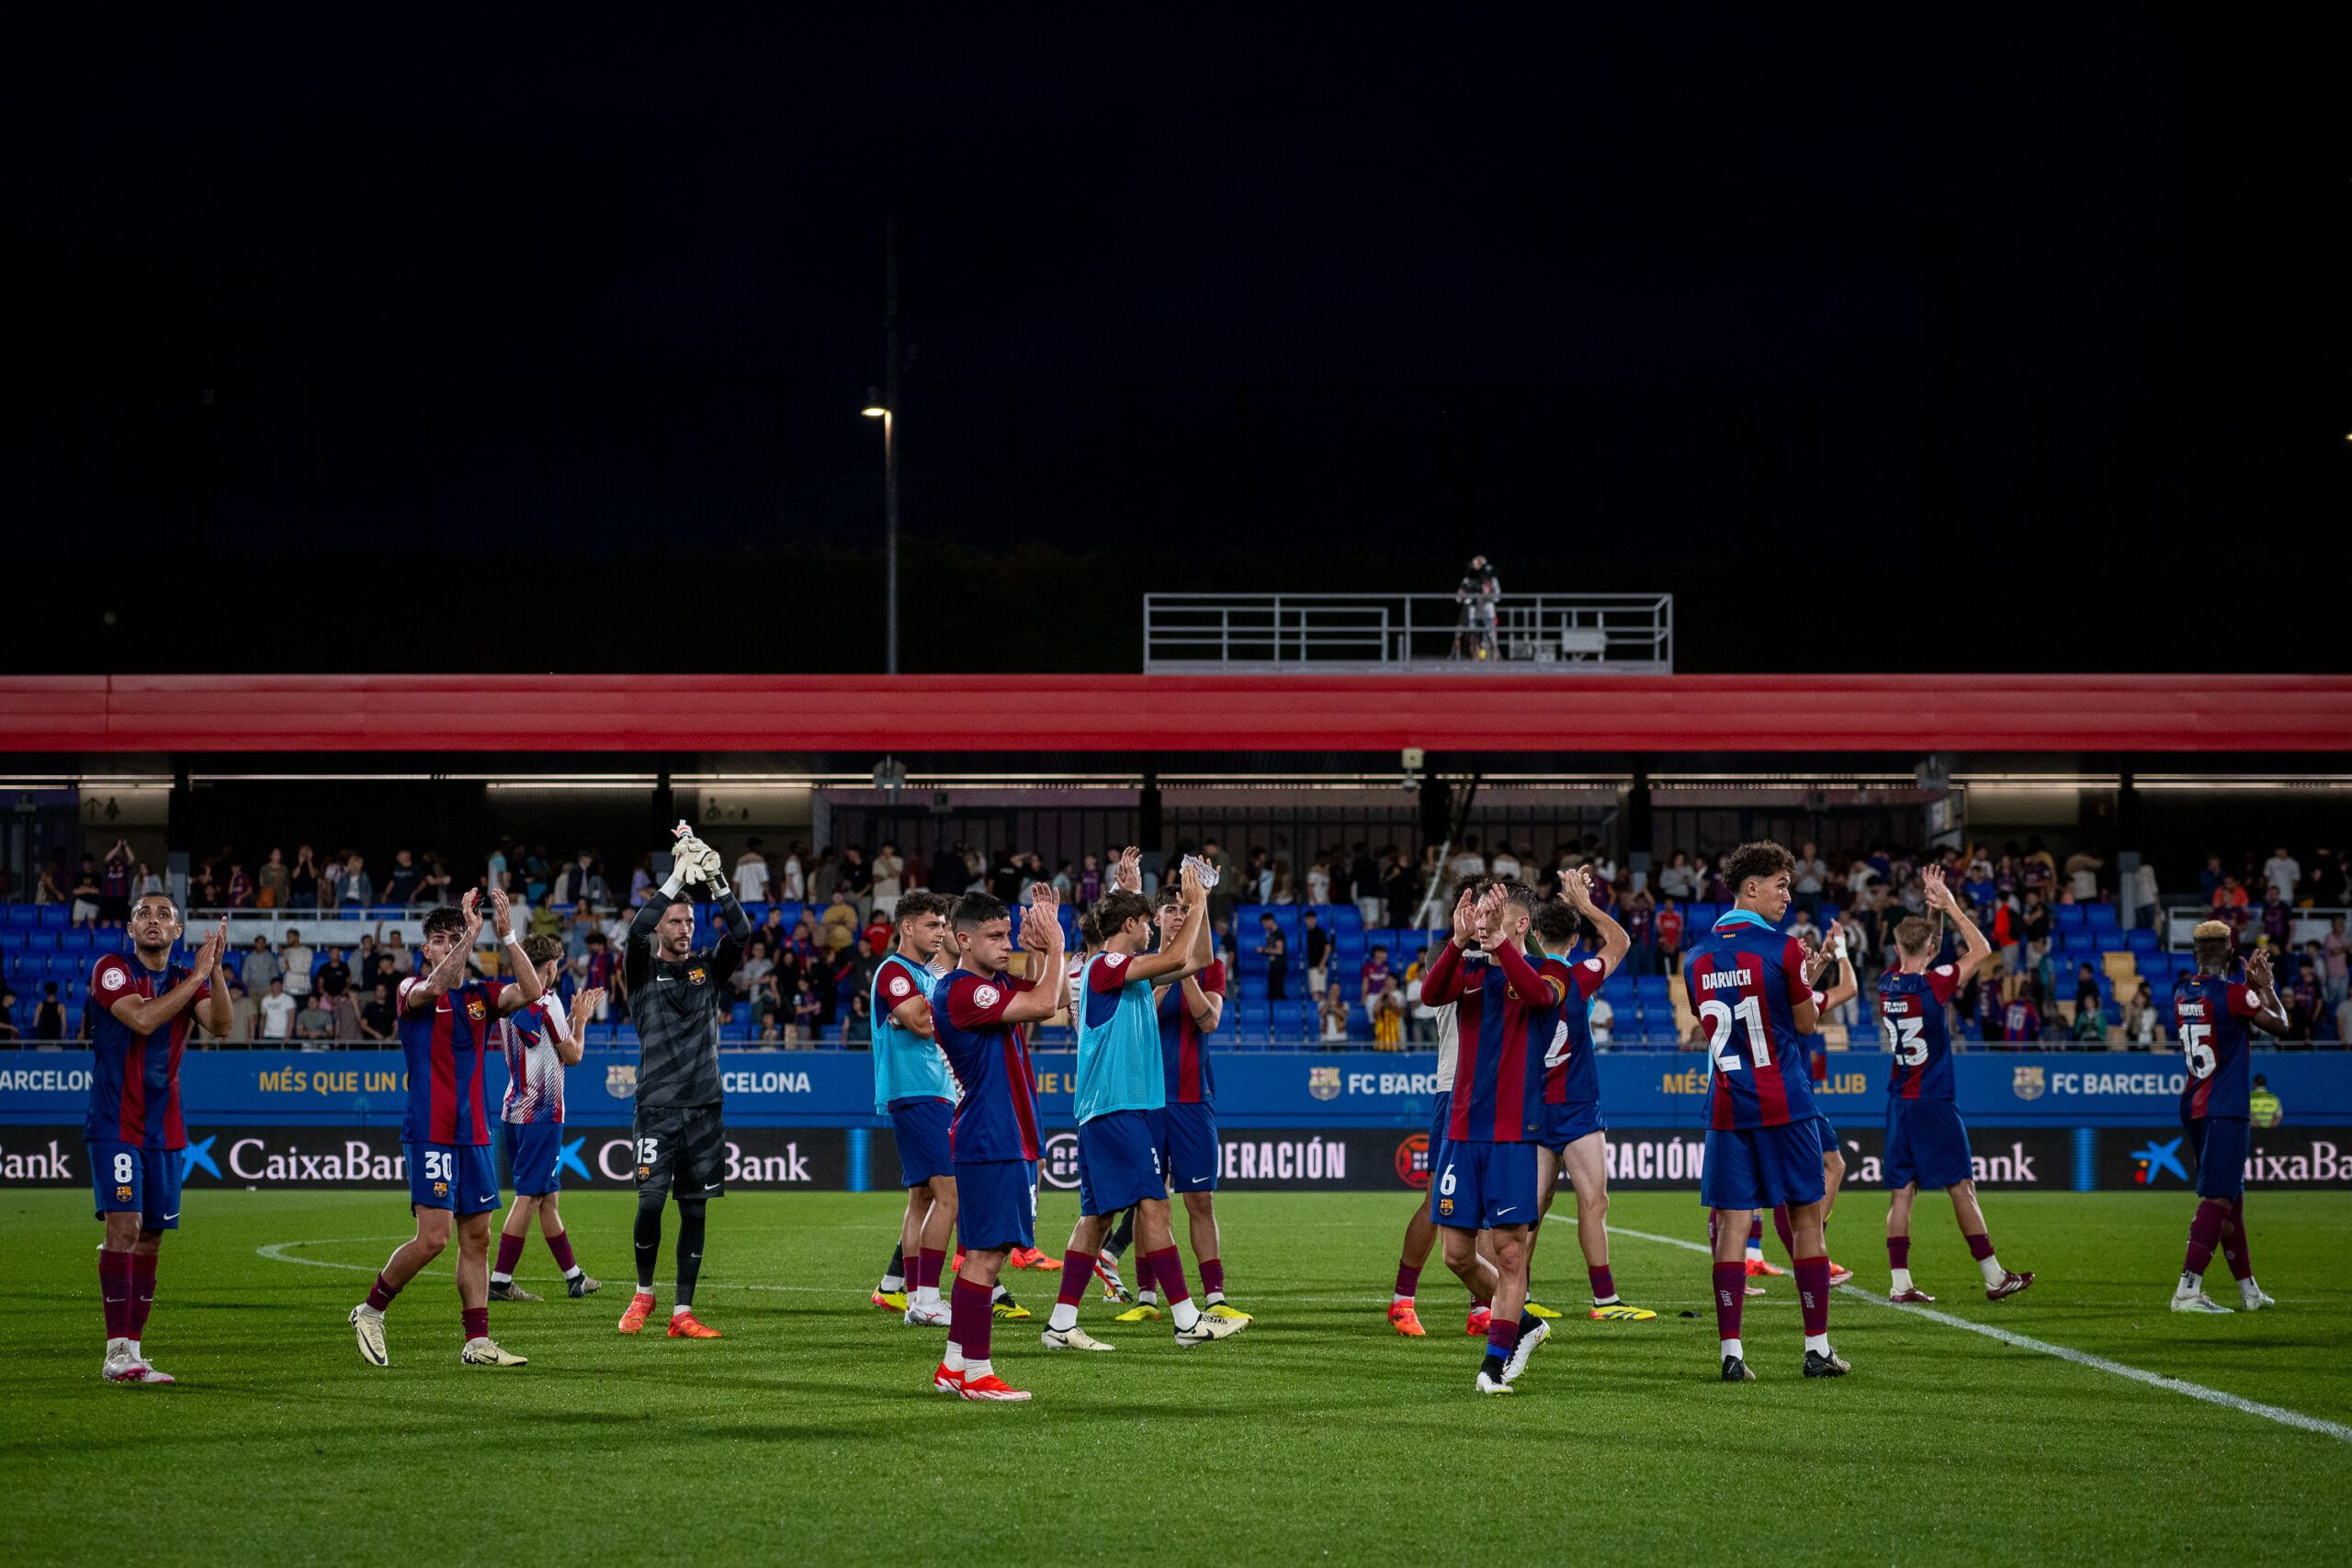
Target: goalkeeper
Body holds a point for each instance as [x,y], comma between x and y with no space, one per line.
[676,998]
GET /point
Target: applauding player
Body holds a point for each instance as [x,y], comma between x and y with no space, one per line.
[675,998]
[446,1019]
[134,1130]
[2214,1012]
[1752,989]
[540,1040]
[977,1012]
[1925,1140]
[913,1088]
[1487,1175]
[1575,1137]
[1190,1011]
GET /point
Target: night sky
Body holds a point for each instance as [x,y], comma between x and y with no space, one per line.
[1917,341]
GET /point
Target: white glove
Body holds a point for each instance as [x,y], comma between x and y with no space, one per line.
[713,872]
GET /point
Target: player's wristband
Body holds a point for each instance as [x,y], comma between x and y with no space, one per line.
[678,880]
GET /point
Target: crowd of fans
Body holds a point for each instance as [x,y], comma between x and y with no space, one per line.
[823,922]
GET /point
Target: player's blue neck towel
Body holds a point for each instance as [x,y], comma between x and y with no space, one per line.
[1742,917]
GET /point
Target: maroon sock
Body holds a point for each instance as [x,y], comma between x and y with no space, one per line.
[560,1245]
[1143,1273]
[2234,1248]
[142,1293]
[1898,1251]
[1813,1290]
[1754,1231]
[381,1293]
[2204,1234]
[477,1322]
[114,1293]
[1731,1294]
[1980,1246]
[1409,1281]
[1078,1272]
[1780,1228]
[1502,1336]
[1169,1269]
[929,1260]
[1212,1276]
[510,1252]
[973,1318]
[1604,1283]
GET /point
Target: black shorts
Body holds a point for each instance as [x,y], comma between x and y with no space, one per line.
[681,1150]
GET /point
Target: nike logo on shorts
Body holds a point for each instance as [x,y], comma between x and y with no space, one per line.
[1506,1211]
[1198,1180]
[487,1198]
[173,1215]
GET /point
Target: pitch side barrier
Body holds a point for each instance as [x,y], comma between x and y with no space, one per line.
[1353,1122]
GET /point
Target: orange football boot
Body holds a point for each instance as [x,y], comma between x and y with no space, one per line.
[1405,1321]
[633,1319]
[685,1326]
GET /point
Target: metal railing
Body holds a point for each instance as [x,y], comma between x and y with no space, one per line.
[1409,633]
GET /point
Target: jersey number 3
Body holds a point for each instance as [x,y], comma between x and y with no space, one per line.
[1719,1018]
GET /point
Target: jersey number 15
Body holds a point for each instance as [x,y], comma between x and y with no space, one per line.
[2196,1044]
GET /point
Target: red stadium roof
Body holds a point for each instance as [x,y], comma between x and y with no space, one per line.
[198,714]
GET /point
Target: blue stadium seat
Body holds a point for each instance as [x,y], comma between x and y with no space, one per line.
[2143,939]
[2100,914]
[2109,939]
[53,917]
[1340,916]
[2072,917]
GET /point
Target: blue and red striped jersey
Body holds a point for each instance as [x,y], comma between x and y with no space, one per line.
[1504,1014]
[135,1078]
[445,1049]
[996,1104]
[1912,1006]
[1742,975]
[1571,1077]
[1183,1048]
[2212,1010]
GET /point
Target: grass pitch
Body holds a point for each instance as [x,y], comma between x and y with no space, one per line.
[812,1433]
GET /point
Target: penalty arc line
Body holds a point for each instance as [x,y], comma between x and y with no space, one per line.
[2295,1418]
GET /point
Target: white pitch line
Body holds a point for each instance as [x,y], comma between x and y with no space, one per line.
[2295,1418]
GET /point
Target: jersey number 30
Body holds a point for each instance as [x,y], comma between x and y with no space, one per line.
[2196,1043]
[1719,1017]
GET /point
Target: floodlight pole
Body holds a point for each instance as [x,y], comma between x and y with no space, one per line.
[890,447]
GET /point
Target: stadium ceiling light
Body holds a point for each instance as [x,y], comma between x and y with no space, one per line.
[874,407]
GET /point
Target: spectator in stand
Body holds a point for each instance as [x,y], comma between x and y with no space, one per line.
[1333,1013]
[1280,888]
[240,890]
[889,881]
[1318,953]
[1504,863]
[1275,951]
[1603,1017]
[795,882]
[880,936]
[2142,1024]
[641,882]
[146,881]
[496,869]
[378,1022]
[1677,879]
[2146,905]
[114,883]
[1466,861]
[857,879]
[751,875]
[1364,881]
[2336,977]
[335,975]
[302,880]
[358,888]
[1387,1010]
[2282,872]
[804,1028]
[1318,880]
[840,923]
[1638,915]
[270,884]
[261,966]
[1669,930]
[1402,889]
[1376,975]
[53,880]
[2082,876]
[2277,916]
[294,961]
[49,1018]
[438,887]
[406,878]
[2021,1020]
[1810,876]
[244,1014]
[85,894]
[278,1011]
[314,1023]
[9,1031]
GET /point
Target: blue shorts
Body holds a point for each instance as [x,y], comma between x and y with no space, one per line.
[1564,1124]
[1762,1168]
[533,1155]
[2221,1157]
[1195,1155]
[1479,1186]
[1927,1143]
[996,1203]
[463,1177]
[1119,1161]
[919,1126]
[1829,1135]
[126,1179]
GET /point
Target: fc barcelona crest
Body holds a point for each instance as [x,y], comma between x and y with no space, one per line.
[1323,1083]
[620,1079]
[122,1194]
[2029,1082]
[474,1009]
[698,975]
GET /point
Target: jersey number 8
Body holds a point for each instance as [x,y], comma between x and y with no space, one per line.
[2194,1044]
[124,1167]
[1718,1018]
